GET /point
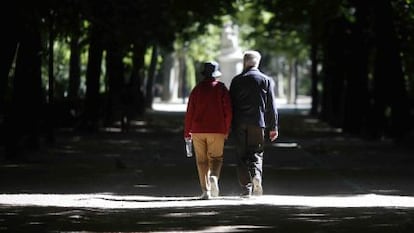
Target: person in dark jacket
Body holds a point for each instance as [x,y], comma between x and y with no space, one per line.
[254,113]
[207,123]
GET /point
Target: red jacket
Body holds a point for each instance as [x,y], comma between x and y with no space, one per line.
[208,109]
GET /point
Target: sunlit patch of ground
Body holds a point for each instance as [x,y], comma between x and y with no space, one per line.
[141,202]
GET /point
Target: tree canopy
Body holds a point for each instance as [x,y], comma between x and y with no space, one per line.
[359,56]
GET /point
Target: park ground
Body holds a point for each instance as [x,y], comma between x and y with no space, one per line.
[316,179]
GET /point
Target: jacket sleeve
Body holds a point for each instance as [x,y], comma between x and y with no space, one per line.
[271,115]
[227,108]
[189,115]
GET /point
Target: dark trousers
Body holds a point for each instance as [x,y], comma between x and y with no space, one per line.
[249,142]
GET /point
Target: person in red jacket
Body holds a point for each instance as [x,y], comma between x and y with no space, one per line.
[207,123]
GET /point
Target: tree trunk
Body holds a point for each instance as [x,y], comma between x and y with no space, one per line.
[49,111]
[169,75]
[115,74]
[74,65]
[8,48]
[318,16]
[314,79]
[332,105]
[136,80]
[24,118]
[390,89]
[292,82]
[356,90]
[151,77]
[182,75]
[93,73]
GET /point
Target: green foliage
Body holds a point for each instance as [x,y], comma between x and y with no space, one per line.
[204,46]
[263,26]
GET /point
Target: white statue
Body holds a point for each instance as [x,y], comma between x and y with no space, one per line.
[230,37]
[231,56]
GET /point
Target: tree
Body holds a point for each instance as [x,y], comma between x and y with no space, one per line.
[349,40]
[23,117]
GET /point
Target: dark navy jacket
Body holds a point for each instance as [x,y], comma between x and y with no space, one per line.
[253,100]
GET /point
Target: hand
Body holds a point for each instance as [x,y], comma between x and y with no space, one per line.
[273,135]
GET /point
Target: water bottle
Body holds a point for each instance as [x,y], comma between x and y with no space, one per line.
[189,147]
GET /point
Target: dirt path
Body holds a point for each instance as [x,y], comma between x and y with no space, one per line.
[310,163]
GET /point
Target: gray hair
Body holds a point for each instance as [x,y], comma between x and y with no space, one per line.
[251,58]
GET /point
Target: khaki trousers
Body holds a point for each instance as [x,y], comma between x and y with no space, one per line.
[208,148]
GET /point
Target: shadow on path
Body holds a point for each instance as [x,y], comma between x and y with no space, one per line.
[133,172]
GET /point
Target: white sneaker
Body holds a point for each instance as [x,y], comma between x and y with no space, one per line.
[214,186]
[206,195]
[257,187]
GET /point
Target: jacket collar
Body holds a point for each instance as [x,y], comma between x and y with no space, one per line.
[250,68]
[209,79]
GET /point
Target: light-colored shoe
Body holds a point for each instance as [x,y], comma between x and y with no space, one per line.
[246,194]
[214,186]
[257,187]
[206,195]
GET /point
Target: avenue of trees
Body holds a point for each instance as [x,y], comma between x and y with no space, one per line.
[360,57]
